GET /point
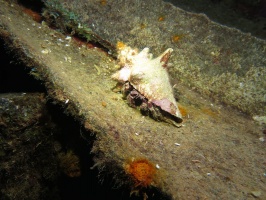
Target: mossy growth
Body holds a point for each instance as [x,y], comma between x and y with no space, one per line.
[61,18]
[67,21]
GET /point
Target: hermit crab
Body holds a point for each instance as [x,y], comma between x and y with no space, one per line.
[146,85]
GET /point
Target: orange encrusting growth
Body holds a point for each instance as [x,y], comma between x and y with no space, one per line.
[142,171]
[103,2]
[34,15]
[182,110]
[161,18]
[142,25]
[177,37]
[120,45]
[209,112]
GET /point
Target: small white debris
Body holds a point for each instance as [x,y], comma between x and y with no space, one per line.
[256,193]
[68,38]
[80,26]
[136,133]
[67,45]
[68,59]
[261,139]
[260,119]
[157,166]
[177,144]
[208,174]
[66,101]
[46,51]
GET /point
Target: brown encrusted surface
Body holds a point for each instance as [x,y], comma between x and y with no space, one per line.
[220,155]
[248,16]
[215,60]
[28,162]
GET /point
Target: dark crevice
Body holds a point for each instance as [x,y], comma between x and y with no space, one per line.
[14,75]
[34,5]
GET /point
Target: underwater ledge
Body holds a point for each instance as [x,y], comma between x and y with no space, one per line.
[216,154]
[218,61]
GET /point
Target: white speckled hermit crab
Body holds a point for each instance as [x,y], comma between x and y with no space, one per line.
[146,83]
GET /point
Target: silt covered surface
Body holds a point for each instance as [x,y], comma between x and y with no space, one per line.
[215,60]
[216,154]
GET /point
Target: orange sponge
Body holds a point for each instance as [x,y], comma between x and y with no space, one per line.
[142,172]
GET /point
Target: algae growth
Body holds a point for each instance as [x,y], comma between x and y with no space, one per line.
[217,154]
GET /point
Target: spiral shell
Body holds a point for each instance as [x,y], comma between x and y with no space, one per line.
[149,77]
